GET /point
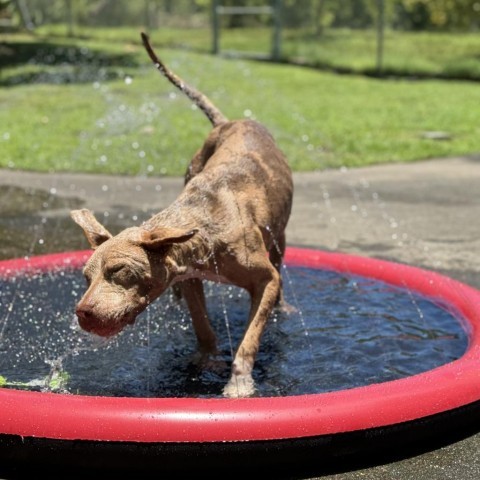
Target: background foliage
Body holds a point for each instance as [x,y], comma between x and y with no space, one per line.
[403,14]
[78,93]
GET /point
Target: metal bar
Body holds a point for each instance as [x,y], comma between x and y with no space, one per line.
[277,30]
[221,10]
[215,28]
[380,35]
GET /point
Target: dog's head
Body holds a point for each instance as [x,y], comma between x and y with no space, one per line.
[125,273]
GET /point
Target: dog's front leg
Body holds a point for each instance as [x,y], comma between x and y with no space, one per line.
[192,292]
[263,297]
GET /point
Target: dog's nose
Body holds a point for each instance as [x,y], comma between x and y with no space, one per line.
[86,317]
[84,312]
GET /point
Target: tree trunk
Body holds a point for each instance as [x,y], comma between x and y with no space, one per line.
[24,12]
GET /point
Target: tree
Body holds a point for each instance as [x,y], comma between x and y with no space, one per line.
[443,13]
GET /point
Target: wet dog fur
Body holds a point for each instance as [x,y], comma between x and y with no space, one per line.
[227,225]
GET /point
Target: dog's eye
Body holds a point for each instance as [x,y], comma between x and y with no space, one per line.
[120,274]
[116,268]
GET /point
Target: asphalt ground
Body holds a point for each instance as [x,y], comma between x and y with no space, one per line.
[425,214]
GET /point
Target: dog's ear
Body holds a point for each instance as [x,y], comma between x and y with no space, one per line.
[95,232]
[165,236]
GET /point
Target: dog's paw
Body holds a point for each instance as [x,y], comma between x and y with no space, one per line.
[239,386]
[285,307]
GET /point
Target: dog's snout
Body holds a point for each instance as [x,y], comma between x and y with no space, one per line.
[84,312]
[86,317]
[89,321]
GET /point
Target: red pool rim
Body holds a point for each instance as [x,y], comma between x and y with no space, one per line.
[195,420]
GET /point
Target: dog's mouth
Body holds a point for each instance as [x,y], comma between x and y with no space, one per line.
[105,327]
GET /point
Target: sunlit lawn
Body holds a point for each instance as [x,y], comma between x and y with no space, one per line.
[442,54]
[117,115]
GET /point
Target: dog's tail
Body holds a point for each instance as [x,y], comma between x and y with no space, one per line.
[203,103]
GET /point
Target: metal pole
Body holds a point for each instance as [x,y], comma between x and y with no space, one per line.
[146,13]
[69,17]
[215,28]
[380,35]
[277,30]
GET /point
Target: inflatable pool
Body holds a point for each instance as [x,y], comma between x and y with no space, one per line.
[47,431]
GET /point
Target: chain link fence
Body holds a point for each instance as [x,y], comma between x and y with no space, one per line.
[415,38]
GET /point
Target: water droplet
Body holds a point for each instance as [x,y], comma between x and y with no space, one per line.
[247,113]
[128,80]
[150,168]
[6,136]
[141,154]
[53,191]
[104,188]
[135,145]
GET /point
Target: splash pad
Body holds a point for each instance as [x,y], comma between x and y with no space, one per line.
[284,433]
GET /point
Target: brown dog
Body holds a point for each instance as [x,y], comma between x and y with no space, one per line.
[227,225]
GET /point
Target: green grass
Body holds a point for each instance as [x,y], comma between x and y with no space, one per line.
[415,54]
[419,54]
[97,105]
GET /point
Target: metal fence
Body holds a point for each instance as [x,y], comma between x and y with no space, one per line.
[390,37]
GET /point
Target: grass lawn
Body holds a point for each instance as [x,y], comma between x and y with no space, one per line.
[417,54]
[97,105]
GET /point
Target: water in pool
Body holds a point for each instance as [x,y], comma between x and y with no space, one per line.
[348,331]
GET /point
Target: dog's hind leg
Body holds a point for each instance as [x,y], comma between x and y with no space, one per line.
[276,254]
